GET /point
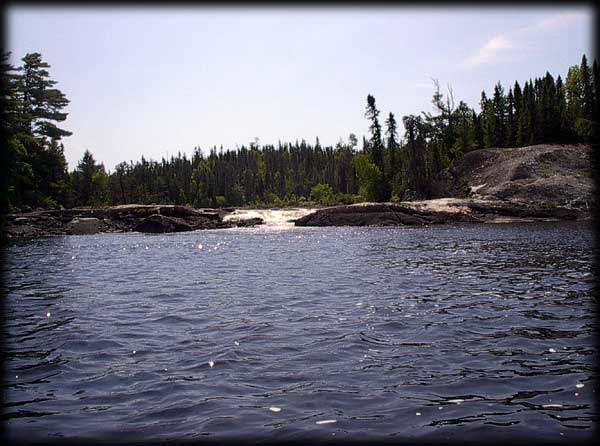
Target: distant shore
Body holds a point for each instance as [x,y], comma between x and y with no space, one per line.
[542,182]
[172,218]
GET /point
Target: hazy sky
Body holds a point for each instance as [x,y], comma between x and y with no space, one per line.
[158,81]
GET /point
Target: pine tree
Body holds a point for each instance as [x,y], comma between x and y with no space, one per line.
[499,113]
[575,97]
[510,120]
[43,103]
[563,131]
[465,131]
[517,104]
[596,96]
[33,108]
[548,105]
[488,121]
[375,143]
[417,172]
[476,120]
[587,88]
[392,158]
[16,174]
[524,126]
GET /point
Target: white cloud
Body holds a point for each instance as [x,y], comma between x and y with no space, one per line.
[501,44]
[559,20]
[490,51]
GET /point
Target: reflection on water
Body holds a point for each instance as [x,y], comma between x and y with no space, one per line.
[449,332]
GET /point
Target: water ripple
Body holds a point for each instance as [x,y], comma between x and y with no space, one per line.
[300,333]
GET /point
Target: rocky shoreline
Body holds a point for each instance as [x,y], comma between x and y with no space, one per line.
[173,218]
[535,183]
[447,210]
[116,219]
[542,182]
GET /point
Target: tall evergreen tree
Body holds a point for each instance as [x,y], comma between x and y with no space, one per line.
[517,105]
[587,87]
[562,117]
[488,121]
[596,82]
[575,95]
[510,120]
[394,162]
[392,144]
[16,178]
[43,103]
[375,143]
[90,182]
[499,113]
[476,120]
[376,151]
[35,107]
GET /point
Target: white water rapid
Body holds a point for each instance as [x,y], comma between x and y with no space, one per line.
[273,218]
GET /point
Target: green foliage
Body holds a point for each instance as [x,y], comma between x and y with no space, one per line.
[348,198]
[322,194]
[369,178]
[400,186]
[586,129]
[99,187]
[90,182]
[36,168]
[42,103]
[220,201]
[19,173]
[375,143]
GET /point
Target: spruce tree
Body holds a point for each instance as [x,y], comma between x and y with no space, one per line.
[563,132]
[596,96]
[392,145]
[476,120]
[517,105]
[587,88]
[375,143]
[499,116]
[510,119]
[487,121]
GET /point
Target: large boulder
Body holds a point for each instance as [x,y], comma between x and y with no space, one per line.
[81,226]
[446,210]
[369,214]
[246,222]
[158,223]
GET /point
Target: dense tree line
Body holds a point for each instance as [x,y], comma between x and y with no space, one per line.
[387,166]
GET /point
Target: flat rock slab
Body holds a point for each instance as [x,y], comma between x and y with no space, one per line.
[436,211]
[160,223]
[83,226]
[371,214]
[122,218]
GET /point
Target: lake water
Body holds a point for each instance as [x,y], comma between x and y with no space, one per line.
[458,332]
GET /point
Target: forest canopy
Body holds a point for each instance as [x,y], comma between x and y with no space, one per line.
[387,166]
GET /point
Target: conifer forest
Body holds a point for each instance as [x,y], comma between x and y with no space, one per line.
[400,159]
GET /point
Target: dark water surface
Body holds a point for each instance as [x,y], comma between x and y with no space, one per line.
[452,332]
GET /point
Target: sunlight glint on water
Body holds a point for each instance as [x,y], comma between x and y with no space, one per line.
[440,333]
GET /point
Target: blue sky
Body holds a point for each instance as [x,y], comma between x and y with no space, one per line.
[155,81]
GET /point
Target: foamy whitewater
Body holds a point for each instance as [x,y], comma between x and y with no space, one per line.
[273,218]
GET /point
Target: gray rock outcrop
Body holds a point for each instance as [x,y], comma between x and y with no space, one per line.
[83,226]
